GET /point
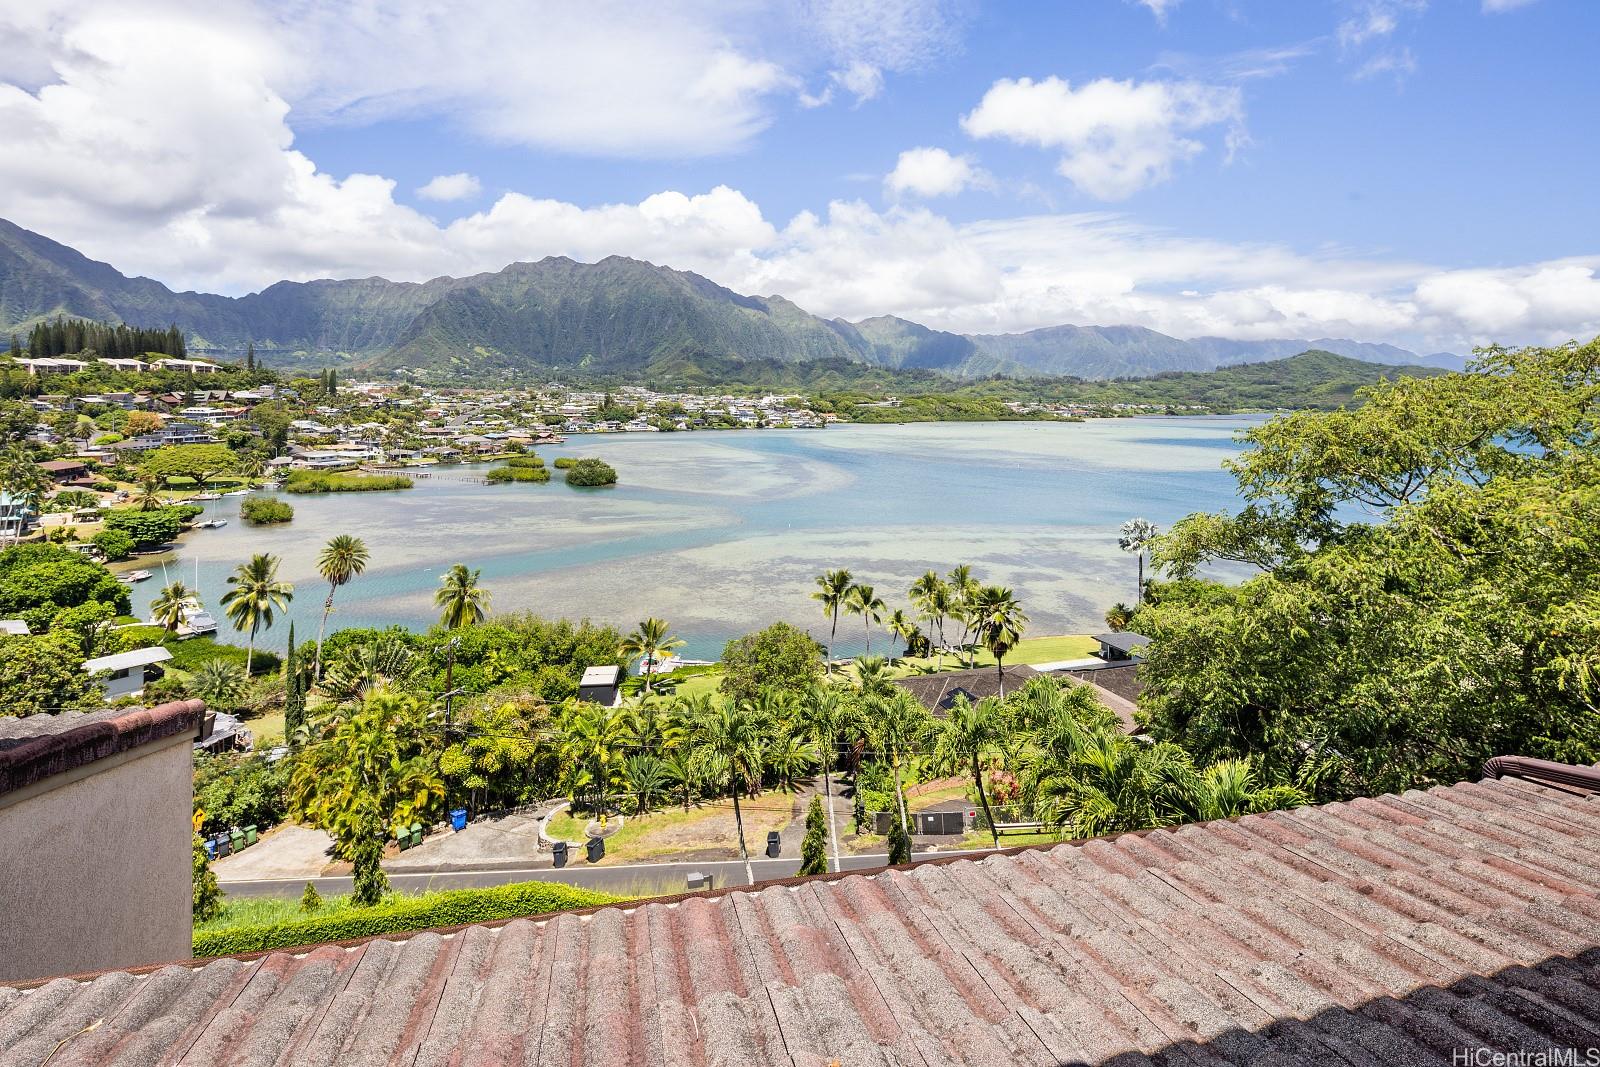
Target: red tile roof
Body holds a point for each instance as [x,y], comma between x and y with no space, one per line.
[35,747]
[1382,931]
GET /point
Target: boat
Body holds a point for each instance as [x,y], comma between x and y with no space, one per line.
[197,621]
[271,485]
[211,524]
[238,492]
[137,576]
[206,496]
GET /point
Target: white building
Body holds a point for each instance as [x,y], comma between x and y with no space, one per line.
[127,670]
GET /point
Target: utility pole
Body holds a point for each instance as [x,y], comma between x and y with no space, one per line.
[449,682]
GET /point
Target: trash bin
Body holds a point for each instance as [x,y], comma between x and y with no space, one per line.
[403,839]
[236,835]
[224,844]
[559,852]
[211,849]
[458,818]
[250,835]
[774,845]
[415,834]
[597,849]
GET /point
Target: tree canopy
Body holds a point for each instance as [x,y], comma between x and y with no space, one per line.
[1428,591]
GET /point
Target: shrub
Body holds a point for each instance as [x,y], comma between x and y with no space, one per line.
[397,915]
[147,529]
[310,900]
[116,544]
[899,843]
[260,510]
[341,482]
[530,461]
[207,894]
[240,792]
[591,472]
[501,475]
[564,462]
[188,655]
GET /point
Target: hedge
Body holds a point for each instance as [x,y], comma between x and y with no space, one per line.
[449,908]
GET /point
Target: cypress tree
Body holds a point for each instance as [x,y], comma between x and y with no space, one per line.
[899,842]
[814,849]
[294,697]
[250,357]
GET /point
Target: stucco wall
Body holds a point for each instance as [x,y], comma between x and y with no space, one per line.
[95,865]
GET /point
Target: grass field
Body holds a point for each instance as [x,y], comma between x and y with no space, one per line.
[1029,650]
[673,830]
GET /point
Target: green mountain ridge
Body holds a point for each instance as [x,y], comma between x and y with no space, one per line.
[619,315]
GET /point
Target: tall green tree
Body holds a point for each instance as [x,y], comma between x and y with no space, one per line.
[461,600]
[731,741]
[900,725]
[649,642]
[814,848]
[832,588]
[341,561]
[864,601]
[965,736]
[1135,536]
[171,607]
[826,716]
[931,596]
[294,695]
[998,621]
[254,597]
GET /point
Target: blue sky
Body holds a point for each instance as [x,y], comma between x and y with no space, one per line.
[1403,170]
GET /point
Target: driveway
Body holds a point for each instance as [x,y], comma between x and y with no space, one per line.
[287,852]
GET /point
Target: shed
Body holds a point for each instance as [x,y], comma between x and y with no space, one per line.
[600,685]
[1120,646]
[127,669]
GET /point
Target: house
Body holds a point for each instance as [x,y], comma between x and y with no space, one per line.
[52,366]
[14,628]
[937,692]
[95,840]
[1120,646]
[1395,930]
[127,672]
[134,366]
[187,366]
[601,686]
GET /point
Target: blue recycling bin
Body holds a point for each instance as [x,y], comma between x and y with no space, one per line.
[458,818]
[211,849]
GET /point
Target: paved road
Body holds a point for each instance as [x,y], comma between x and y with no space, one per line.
[632,879]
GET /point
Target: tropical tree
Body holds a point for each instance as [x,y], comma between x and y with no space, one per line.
[900,625]
[1136,536]
[790,757]
[1230,788]
[963,591]
[825,717]
[369,775]
[998,622]
[463,602]
[874,676]
[1119,617]
[171,607]
[149,498]
[862,600]
[220,683]
[593,743]
[386,663]
[832,588]
[649,642]
[255,596]
[899,724]
[731,742]
[814,848]
[649,779]
[342,559]
[25,483]
[931,596]
[964,736]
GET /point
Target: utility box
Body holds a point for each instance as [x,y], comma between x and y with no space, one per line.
[774,845]
[597,849]
[558,852]
[697,880]
[946,823]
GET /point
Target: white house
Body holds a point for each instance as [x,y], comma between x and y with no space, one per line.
[126,670]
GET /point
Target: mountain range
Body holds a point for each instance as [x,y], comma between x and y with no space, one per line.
[617,316]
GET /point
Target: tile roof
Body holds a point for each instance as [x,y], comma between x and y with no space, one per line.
[1384,931]
[937,692]
[35,747]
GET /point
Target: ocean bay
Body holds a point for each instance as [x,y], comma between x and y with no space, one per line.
[721,533]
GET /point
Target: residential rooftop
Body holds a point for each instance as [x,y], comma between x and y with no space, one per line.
[36,747]
[1393,930]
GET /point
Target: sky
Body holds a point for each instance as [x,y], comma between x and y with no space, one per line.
[1413,171]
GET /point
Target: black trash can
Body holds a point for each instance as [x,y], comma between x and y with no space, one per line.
[774,845]
[597,849]
[559,852]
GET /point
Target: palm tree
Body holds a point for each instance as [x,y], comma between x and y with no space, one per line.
[731,741]
[256,595]
[899,723]
[932,597]
[649,778]
[873,676]
[1119,616]
[1229,788]
[963,589]
[171,607]
[998,622]
[832,588]
[649,642]
[386,663]
[963,737]
[219,683]
[861,600]
[594,748]
[825,716]
[149,498]
[791,756]
[341,560]
[900,625]
[464,602]
[1135,536]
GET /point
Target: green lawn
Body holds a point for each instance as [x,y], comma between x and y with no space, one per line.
[673,830]
[1029,650]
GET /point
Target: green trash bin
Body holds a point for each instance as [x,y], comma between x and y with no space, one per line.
[236,836]
[251,834]
[416,833]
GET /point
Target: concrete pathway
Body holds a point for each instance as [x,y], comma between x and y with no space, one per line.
[295,852]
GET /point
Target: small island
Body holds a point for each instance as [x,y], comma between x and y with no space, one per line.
[263,510]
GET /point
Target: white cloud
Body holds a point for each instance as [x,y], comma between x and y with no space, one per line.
[460,186]
[1495,7]
[1116,137]
[1158,8]
[1400,62]
[932,172]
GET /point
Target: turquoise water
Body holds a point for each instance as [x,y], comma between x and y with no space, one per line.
[721,533]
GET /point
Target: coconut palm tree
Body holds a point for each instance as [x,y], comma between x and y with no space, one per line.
[964,736]
[873,676]
[256,595]
[220,684]
[462,600]
[341,559]
[832,588]
[1135,536]
[932,597]
[861,600]
[963,589]
[170,607]
[825,716]
[900,625]
[594,748]
[899,724]
[649,643]
[1119,616]
[149,498]
[998,622]
[731,742]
